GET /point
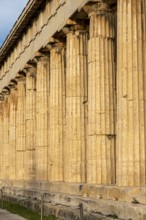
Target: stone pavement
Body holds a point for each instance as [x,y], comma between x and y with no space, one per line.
[5,215]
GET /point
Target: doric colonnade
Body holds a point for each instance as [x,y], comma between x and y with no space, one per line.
[75,113]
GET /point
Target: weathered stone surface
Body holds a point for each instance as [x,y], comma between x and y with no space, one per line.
[42,108]
[30,123]
[20,129]
[56,113]
[101,98]
[76,115]
[131,94]
[71,126]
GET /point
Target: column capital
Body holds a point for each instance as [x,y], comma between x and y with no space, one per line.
[41,56]
[12,85]
[74,28]
[1,97]
[28,66]
[52,46]
[6,91]
[12,88]
[30,70]
[50,42]
[58,46]
[20,79]
[98,8]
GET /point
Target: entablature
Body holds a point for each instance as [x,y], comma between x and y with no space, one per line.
[33,31]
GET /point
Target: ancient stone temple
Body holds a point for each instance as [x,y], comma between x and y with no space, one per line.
[73,109]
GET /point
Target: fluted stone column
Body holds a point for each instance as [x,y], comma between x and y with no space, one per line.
[20,129]
[56,112]
[30,117]
[101,95]
[76,97]
[12,133]
[42,93]
[6,111]
[131,81]
[1,141]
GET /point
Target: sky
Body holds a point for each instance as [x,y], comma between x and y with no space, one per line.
[9,12]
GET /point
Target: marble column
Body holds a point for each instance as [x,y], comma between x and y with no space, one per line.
[20,129]
[30,120]
[101,97]
[42,93]
[76,100]
[12,132]
[131,93]
[56,112]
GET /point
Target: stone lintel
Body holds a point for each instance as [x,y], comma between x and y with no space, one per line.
[62,14]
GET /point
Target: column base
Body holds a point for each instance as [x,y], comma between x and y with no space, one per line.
[63,199]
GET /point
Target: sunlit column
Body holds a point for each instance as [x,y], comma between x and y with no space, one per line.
[42,93]
[101,97]
[30,120]
[6,121]
[20,129]
[76,98]
[12,132]
[1,139]
[131,93]
[56,112]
